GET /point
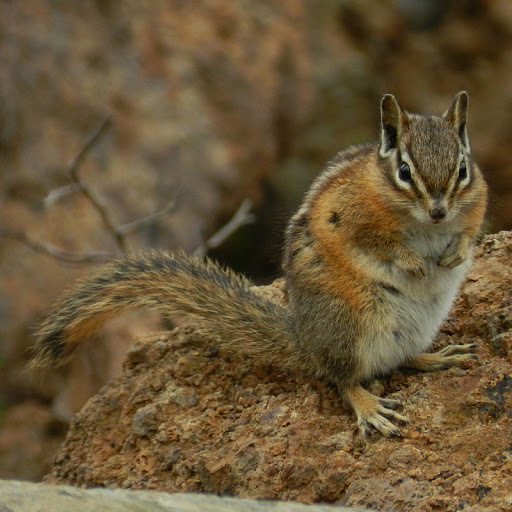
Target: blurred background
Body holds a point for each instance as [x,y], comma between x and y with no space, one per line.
[212,102]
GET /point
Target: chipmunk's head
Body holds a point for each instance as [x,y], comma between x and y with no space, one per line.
[427,159]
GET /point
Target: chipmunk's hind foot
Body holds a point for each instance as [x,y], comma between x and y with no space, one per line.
[452,355]
[373,412]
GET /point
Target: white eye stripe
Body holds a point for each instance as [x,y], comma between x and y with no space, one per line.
[404,172]
[405,185]
[463,172]
[461,176]
[415,182]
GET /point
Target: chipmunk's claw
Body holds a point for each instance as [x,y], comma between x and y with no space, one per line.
[373,412]
[447,357]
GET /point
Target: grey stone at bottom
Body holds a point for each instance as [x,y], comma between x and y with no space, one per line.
[17,496]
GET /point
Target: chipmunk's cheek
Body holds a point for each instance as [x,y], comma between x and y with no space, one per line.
[420,214]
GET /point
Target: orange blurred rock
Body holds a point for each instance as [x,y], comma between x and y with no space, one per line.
[195,91]
[29,437]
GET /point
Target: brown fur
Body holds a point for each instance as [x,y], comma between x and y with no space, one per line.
[354,252]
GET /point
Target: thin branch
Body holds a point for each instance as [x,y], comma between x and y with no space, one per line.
[242,217]
[74,165]
[55,252]
[136,224]
[118,232]
[59,193]
[73,170]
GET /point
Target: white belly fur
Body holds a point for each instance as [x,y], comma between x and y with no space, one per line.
[406,323]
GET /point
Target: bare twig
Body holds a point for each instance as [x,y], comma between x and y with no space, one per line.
[78,185]
[136,224]
[74,165]
[59,193]
[118,232]
[241,218]
[55,252]
[73,170]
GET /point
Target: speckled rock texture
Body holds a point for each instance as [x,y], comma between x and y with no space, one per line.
[185,416]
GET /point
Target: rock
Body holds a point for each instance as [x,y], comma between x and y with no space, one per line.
[23,496]
[247,430]
[145,421]
[29,438]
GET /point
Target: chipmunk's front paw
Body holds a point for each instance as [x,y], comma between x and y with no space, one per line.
[418,271]
[414,266]
[455,254]
[372,412]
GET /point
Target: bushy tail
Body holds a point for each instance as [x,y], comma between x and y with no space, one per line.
[172,284]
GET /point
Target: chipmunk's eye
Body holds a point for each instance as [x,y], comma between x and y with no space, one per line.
[404,173]
[463,172]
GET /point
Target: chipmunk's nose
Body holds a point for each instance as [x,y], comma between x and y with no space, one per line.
[437,213]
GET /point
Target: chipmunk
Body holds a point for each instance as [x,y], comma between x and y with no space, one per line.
[373,260]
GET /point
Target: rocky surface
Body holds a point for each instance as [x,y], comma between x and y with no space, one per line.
[185,417]
[23,496]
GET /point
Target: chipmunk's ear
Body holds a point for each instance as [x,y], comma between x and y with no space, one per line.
[457,116]
[393,119]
